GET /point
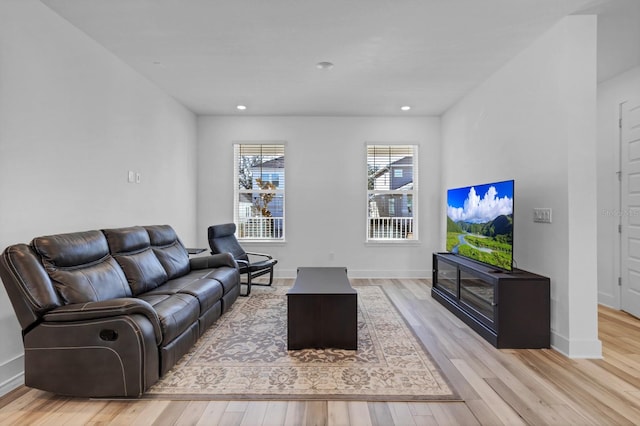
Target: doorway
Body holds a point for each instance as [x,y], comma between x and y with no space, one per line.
[630,206]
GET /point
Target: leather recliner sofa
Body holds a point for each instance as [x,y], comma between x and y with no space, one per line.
[108,312]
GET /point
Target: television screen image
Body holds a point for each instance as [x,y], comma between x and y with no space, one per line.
[480,223]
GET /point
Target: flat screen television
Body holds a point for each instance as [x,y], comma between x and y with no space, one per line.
[480,223]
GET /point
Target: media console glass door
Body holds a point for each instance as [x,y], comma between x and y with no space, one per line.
[480,296]
[447,278]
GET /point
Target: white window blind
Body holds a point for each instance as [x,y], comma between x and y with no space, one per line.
[392,174]
[259,191]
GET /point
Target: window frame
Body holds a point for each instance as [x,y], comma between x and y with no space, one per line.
[412,202]
[279,191]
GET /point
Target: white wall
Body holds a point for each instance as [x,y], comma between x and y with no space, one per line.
[73,121]
[534,121]
[326,189]
[611,94]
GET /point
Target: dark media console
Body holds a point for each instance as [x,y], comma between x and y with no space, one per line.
[508,309]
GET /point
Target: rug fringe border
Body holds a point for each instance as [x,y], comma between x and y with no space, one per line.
[275,397]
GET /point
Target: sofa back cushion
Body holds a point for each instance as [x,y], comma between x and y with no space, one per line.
[80,267]
[169,250]
[131,248]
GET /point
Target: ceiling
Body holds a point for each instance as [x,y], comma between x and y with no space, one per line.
[212,55]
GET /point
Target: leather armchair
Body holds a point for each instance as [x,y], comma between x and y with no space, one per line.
[222,239]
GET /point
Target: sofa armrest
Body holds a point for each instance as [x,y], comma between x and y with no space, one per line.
[106,309]
[213,261]
[103,357]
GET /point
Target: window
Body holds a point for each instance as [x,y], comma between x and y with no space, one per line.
[259,191]
[392,172]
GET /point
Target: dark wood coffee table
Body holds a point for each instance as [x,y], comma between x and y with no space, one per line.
[322,310]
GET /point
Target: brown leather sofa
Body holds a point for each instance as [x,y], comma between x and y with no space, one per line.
[106,313]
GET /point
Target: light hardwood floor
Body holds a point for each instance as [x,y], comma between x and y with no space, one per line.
[509,387]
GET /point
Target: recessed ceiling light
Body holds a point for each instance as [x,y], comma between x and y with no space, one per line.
[405,108]
[324,65]
[241,107]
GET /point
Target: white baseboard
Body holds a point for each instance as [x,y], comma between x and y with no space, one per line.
[11,374]
[586,349]
[608,300]
[362,273]
[11,384]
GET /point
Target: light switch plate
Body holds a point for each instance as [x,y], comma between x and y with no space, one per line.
[542,215]
[131,177]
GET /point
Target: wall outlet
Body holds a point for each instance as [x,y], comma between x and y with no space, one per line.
[542,215]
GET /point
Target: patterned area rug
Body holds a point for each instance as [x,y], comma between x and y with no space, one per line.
[244,356]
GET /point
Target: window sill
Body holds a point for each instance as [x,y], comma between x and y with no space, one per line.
[263,242]
[392,243]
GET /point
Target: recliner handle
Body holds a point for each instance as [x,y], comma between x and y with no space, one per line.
[109,335]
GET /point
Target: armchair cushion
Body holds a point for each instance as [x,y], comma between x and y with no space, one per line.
[222,239]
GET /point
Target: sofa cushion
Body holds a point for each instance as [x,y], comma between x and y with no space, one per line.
[226,276]
[131,248]
[169,250]
[207,291]
[80,267]
[129,240]
[177,312]
[143,271]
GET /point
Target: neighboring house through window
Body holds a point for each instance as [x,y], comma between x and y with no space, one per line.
[392,172]
[259,190]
